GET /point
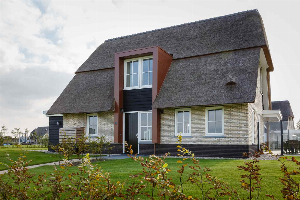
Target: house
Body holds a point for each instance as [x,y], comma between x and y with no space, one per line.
[39,132]
[287,113]
[288,126]
[207,80]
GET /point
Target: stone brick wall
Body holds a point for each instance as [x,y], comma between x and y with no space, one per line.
[74,120]
[105,123]
[235,126]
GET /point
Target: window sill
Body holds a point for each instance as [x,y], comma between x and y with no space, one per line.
[138,88]
[185,136]
[145,142]
[92,136]
[214,136]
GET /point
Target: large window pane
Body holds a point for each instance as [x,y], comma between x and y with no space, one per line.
[151,64]
[149,119]
[211,115]
[150,78]
[145,65]
[218,127]
[186,119]
[179,128]
[135,67]
[150,133]
[145,79]
[180,116]
[218,115]
[127,80]
[144,119]
[135,80]
[211,127]
[129,68]
[144,133]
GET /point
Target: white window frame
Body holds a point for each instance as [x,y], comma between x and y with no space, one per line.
[206,121]
[190,128]
[140,126]
[140,73]
[88,125]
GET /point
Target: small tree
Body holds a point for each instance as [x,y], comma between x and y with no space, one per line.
[2,134]
[16,133]
[26,134]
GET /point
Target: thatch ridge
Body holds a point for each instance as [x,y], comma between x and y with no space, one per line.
[232,32]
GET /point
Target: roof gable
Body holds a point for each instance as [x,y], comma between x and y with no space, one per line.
[231,32]
[284,107]
[87,92]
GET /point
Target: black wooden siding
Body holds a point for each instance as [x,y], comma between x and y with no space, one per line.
[137,100]
[54,129]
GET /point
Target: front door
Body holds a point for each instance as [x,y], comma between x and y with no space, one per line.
[131,130]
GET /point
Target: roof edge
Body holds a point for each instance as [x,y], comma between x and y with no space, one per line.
[184,24]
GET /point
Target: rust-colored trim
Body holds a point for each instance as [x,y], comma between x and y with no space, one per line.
[161,63]
[268,58]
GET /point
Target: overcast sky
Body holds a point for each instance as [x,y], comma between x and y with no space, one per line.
[42,43]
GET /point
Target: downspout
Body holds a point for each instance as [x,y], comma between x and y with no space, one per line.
[281,129]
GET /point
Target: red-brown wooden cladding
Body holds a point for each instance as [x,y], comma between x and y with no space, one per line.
[161,63]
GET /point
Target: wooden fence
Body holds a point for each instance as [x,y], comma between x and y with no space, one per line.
[73,133]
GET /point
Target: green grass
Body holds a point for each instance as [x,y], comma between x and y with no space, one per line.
[34,156]
[225,170]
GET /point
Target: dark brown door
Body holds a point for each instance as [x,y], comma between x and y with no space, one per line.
[131,130]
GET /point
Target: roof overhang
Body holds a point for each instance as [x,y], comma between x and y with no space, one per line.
[271,115]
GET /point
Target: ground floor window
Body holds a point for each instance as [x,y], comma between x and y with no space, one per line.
[183,122]
[214,117]
[92,124]
[146,126]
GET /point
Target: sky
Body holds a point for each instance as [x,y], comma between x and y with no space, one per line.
[43,42]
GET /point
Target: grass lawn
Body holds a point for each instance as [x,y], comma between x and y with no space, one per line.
[34,156]
[224,169]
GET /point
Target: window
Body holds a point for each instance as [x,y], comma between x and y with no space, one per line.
[92,125]
[183,122]
[214,121]
[146,126]
[138,73]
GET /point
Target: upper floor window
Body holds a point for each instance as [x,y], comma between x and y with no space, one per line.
[138,73]
[214,121]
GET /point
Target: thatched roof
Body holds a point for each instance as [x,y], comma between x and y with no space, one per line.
[207,55]
[222,78]
[231,32]
[87,92]
[284,107]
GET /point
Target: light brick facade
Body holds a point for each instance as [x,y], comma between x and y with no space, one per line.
[235,126]
[74,120]
[105,123]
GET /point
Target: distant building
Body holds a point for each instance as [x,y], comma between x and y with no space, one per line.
[39,132]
